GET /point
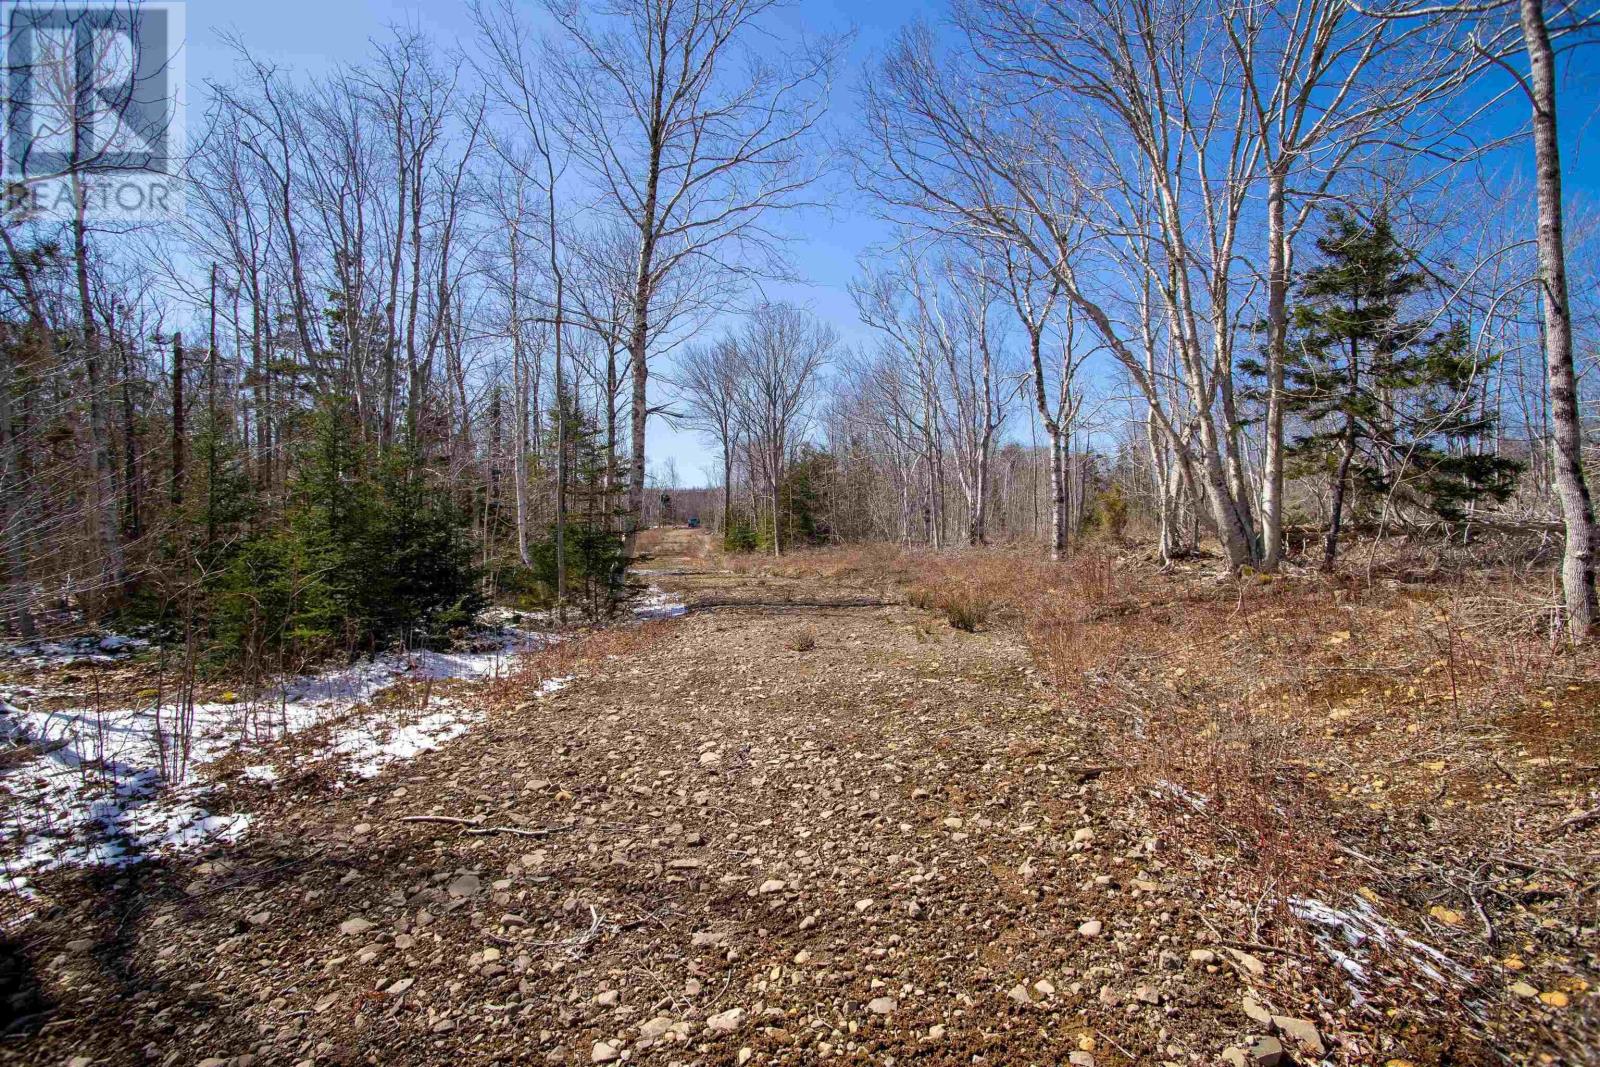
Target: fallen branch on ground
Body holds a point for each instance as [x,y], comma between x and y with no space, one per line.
[1580,820]
[571,944]
[473,827]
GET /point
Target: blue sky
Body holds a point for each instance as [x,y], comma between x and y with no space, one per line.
[312,35]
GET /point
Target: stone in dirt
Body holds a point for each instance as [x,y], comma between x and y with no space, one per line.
[1301,1031]
[726,1022]
[1081,1059]
[881,1005]
[771,885]
[465,885]
[1091,928]
[1267,1052]
[604,1052]
[353,926]
[657,1027]
[1248,962]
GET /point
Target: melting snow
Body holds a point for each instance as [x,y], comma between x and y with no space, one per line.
[97,795]
[1349,936]
[1197,801]
[659,604]
[91,648]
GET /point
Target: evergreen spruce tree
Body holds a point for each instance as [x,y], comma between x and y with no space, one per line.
[597,562]
[1392,407]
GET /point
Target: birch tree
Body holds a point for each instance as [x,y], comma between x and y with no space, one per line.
[1489,36]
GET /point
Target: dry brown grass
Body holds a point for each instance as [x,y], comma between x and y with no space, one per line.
[1270,722]
[851,565]
[1267,722]
[566,658]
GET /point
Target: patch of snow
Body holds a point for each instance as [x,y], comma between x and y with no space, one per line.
[1350,936]
[89,648]
[658,604]
[101,798]
[367,748]
[113,825]
[1195,800]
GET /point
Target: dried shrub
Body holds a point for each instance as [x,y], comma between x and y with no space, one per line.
[565,658]
[966,606]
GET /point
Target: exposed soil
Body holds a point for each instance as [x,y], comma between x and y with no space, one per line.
[769,834]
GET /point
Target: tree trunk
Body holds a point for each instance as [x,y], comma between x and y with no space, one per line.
[1577,509]
[1277,335]
[777,522]
[613,387]
[112,564]
[12,517]
[561,402]
[132,522]
[177,426]
[1231,529]
[727,486]
[638,356]
[1330,551]
[1058,496]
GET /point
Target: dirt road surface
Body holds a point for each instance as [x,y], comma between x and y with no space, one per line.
[766,834]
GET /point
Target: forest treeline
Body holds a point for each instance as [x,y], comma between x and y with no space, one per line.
[1240,270]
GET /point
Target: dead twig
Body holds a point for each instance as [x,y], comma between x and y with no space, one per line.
[1580,820]
[572,944]
[1258,946]
[472,828]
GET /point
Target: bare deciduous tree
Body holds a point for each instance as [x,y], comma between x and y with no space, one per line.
[694,138]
